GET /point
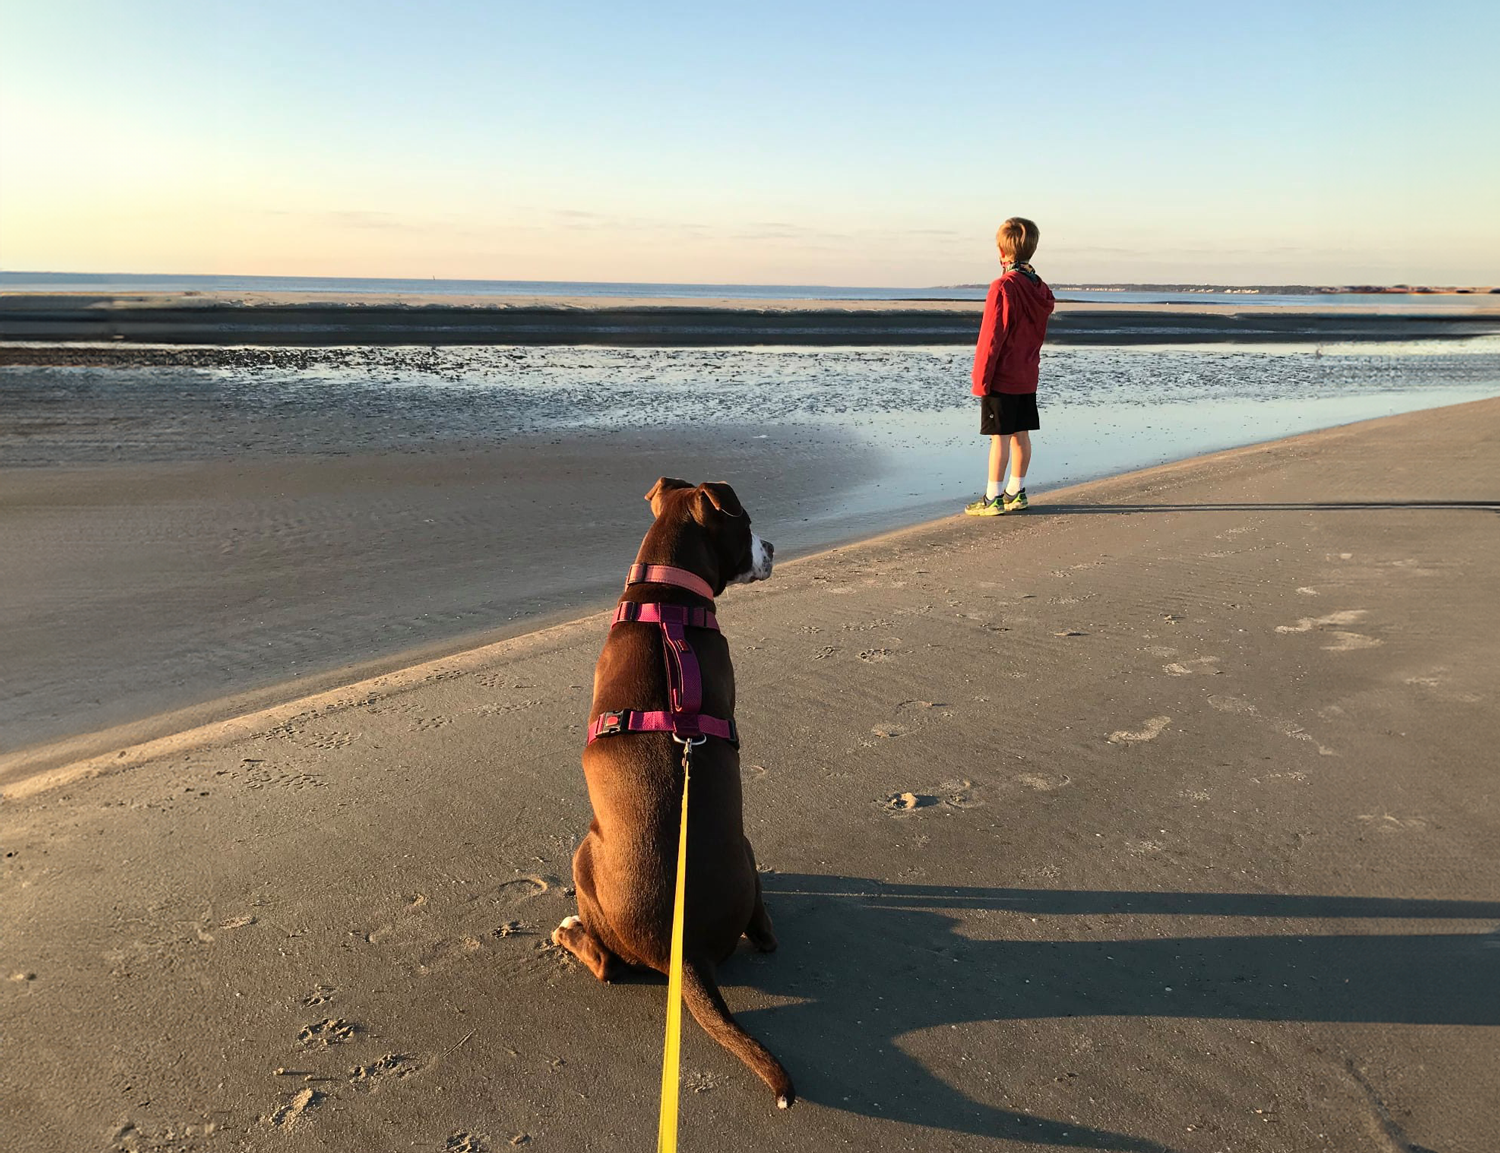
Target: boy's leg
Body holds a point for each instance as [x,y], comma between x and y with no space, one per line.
[999,452]
[990,503]
[1015,489]
[1020,454]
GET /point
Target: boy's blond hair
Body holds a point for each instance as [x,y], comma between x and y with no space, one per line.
[1017,239]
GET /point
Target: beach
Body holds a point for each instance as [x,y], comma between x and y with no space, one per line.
[330,318]
[1159,817]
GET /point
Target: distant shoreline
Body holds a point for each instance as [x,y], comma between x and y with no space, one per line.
[325,319]
[1274,289]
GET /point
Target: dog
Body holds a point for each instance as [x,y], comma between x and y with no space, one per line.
[625,870]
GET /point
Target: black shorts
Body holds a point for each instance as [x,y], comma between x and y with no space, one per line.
[1002,413]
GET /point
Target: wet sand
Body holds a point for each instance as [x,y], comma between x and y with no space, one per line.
[146,597]
[333,319]
[1198,854]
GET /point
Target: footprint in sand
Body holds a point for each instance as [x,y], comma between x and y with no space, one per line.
[1198,665]
[525,887]
[294,1113]
[1228,704]
[443,951]
[956,794]
[492,710]
[1344,641]
[1149,731]
[1242,707]
[1298,733]
[130,1137]
[1044,782]
[1436,683]
[339,740]
[397,1065]
[1342,617]
[260,776]
[323,1034]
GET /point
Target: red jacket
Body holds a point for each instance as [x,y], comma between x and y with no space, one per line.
[1010,340]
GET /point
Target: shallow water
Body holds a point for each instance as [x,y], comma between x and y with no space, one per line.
[1103,409]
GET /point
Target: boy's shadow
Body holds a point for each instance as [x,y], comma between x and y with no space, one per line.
[869,963]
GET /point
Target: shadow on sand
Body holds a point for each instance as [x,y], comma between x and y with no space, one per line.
[1296,506]
[885,961]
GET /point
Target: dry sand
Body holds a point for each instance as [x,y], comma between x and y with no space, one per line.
[1198,854]
[288,318]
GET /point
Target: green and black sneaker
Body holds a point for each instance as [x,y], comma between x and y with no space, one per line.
[1015,503]
[984,506]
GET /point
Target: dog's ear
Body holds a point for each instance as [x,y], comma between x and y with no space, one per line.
[663,485]
[715,496]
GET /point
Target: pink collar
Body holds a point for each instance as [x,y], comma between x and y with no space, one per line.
[667,575]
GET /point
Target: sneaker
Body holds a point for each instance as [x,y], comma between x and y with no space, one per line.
[984,506]
[1015,503]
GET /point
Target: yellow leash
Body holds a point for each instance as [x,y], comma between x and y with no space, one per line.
[666,1133]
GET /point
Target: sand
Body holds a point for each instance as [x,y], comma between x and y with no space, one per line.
[1161,817]
[262,318]
[143,598]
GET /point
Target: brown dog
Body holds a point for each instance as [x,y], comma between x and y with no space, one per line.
[625,869]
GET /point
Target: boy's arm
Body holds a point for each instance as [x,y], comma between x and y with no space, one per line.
[991,336]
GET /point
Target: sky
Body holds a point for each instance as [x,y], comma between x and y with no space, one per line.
[810,143]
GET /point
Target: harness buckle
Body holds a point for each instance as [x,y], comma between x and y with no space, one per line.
[611,723]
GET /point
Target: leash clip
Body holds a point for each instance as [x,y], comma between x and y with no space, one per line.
[688,745]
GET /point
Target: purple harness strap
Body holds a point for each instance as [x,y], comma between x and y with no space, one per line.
[684,679]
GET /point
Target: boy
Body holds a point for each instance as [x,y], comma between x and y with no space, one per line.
[1005,366]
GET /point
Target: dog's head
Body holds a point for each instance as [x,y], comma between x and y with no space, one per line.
[741,556]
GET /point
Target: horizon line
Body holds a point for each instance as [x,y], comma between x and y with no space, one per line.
[1077,285]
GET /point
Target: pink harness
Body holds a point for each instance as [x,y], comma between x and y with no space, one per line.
[683,719]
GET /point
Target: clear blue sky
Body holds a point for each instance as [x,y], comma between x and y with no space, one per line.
[859,143]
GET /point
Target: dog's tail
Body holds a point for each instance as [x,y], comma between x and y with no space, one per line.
[701,992]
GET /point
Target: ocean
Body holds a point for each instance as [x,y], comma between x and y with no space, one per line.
[43,282]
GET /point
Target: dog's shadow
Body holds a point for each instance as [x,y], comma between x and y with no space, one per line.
[868,963]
